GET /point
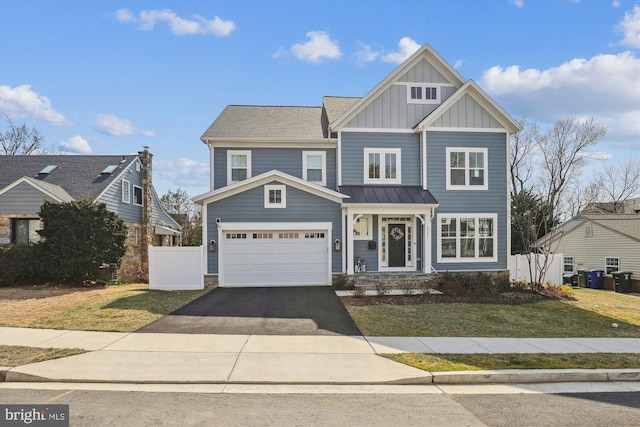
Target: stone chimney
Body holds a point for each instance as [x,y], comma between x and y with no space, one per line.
[147,211]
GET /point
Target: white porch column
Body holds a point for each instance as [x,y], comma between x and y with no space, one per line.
[426,247]
[349,243]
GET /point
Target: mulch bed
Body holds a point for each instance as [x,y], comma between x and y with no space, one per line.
[510,298]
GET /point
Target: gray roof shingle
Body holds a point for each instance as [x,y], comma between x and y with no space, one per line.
[268,122]
[628,224]
[336,106]
[79,176]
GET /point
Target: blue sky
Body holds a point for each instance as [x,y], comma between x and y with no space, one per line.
[109,77]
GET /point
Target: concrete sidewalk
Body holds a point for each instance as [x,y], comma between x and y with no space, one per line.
[268,359]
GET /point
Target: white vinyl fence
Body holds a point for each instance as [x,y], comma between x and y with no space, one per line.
[519,267]
[176,268]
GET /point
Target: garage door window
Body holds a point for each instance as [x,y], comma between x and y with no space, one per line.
[236,235]
[314,235]
[288,235]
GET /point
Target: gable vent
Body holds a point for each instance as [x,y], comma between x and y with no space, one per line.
[109,169]
[588,232]
[47,170]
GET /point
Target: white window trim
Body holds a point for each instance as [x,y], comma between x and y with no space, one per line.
[238,153]
[134,195]
[467,150]
[126,197]
[369,235]
[323,154]
[424,86]
[458,258]
[607,265]
[283,193]
[573,264]
[382,152]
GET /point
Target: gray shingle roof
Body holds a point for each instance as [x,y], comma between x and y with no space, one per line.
[78,175]
[628,224]
[336,106]
[387,194]
[267,122]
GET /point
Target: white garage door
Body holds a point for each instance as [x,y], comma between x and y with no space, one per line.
[275,258]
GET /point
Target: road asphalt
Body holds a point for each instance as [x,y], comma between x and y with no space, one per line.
[166,358]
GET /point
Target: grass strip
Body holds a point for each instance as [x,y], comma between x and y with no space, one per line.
[482,362]
[14,355]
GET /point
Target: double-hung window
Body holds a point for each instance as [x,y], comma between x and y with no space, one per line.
[238,166]
[568,263]
[382,165]
[466,168]
[314,167]
[467,238]
[611,264]
[138,199]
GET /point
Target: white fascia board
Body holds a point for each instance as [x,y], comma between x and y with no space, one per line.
[481,97]
[264,178]
[430,55]
[116,179]
[386,209]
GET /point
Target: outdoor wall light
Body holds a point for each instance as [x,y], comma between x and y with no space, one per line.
[336,244]
[212,246]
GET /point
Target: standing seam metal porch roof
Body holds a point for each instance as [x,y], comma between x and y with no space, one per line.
[388,194]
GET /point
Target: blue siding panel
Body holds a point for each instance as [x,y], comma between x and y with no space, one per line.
[249,207]
[112,196]
[287,160]
[354,143]
[493,200]
[22,199]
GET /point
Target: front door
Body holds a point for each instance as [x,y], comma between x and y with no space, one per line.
[397,245]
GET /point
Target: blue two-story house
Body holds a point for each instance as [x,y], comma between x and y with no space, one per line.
[411,177]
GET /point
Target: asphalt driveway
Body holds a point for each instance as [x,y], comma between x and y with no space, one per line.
[261,311]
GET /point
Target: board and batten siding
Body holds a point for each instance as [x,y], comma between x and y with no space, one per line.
[248,206]
[23,199]
[590,252]
[112,196]
[287,160]
[391,108]
[354,143]
[493,200]
[467,113]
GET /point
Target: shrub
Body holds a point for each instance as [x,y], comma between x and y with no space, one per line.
[382,289]
[476,284]
[20,265]
[340,281]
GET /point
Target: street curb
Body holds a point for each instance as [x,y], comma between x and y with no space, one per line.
[535,376]
[3,372]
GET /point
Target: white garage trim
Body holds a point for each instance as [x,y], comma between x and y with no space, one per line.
[271,227]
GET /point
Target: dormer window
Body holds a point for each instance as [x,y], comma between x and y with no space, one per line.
[423,94]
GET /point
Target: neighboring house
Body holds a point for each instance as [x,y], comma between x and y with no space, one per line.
[410,178]
[123,183]
[607,242]
[627,206]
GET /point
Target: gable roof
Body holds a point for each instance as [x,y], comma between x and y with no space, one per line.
[425,52]
[625,224]
[54,191]
[255,123]
[265,178]
[472,89]
[78,176]
[335,106]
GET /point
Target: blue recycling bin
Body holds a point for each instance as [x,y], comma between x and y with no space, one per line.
[594,278]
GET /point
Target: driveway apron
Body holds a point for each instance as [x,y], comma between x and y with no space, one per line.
[261,311]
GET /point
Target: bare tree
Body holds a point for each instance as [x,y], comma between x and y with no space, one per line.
[180,206]
[19,140]
[563,149]
[618,183]
[522,146]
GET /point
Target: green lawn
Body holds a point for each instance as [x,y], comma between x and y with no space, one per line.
[591,315]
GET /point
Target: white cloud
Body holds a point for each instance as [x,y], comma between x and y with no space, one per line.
[115,126]
[615,3]
[22,102]
[407,47]
[179,26]
[517,3]
[606,87]
[183,172]
[458,64]
[76,144]
[365,54]
[319,47]
[630,28]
